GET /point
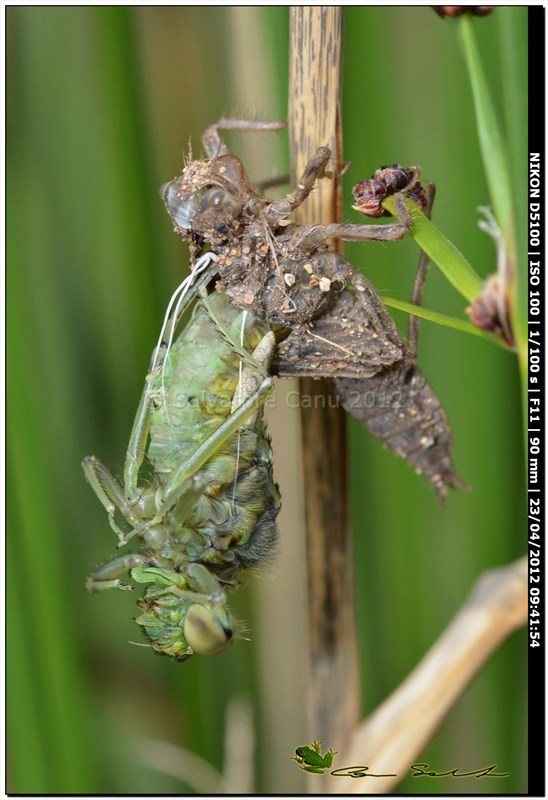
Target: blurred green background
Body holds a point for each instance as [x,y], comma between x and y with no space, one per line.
[102,103]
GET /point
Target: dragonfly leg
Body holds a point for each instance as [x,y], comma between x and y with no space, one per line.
[137,448]
[212,142]
[250,376]
[107,576]
[308,237]
[110,493]
[135,503]
[420,278]
[313,171]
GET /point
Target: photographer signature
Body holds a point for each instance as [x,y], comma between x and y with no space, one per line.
[310,759]
[419,770]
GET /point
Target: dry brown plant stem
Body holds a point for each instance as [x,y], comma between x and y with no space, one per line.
[314,120]
[393,736]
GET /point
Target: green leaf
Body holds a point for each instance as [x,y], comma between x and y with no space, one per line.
[441,251]
[492,144]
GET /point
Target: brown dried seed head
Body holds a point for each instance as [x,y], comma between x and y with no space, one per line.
[449,11]
[490,310]
[458,11]
[370,194]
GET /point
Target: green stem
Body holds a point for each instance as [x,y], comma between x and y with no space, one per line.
[496,162]
[492,145]
[444,319]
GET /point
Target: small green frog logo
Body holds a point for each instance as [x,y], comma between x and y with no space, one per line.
[311,760]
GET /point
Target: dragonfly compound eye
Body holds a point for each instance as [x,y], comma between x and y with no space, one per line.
[182,212]
[220,200]
[205,634]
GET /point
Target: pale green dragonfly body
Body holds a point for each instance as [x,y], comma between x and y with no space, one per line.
[209,509]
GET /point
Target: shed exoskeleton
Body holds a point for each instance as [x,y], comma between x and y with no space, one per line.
[329,319]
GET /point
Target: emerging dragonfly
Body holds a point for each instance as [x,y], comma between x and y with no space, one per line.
[210,508]
[268,298]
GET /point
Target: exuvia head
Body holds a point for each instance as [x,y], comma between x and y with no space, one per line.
[212,198]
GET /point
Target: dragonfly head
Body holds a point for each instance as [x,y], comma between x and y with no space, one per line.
[208,198]
[180,622]
[212,201]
